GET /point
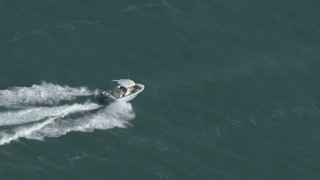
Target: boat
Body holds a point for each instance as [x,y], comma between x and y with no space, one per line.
[125,91]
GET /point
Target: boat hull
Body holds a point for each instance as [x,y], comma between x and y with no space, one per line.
[106,98]
[126,99]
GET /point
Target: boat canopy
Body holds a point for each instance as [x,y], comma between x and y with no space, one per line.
[125,82]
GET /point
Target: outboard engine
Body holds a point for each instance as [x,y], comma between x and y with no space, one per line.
[105,98]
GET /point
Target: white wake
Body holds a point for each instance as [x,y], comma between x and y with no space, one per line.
[38,122]
[45,94]
[17,117]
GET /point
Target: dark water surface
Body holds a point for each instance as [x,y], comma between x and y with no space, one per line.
[232,89]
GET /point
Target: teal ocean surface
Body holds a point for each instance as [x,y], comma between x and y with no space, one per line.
[231,89]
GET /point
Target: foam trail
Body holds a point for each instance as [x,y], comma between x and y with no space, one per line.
[114,115]
[23,132]
[45,93]
[39,113]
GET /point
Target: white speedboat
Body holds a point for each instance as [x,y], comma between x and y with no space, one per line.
[125,91]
